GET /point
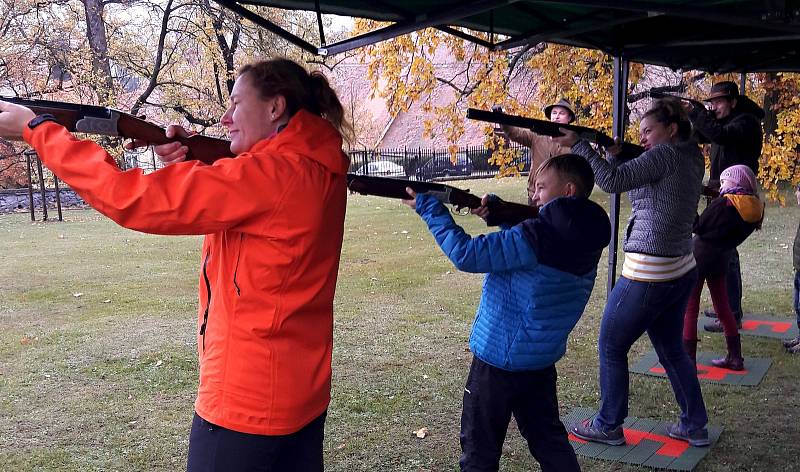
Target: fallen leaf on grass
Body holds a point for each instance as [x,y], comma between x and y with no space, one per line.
[340,446]
[107,300]
[77,294]
[421,433]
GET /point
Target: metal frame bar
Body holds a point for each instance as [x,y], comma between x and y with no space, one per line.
[559,31]
[621,69]
[684,11]
[319,24]
[413,24]
[235,7]
[466,36]
[712,42]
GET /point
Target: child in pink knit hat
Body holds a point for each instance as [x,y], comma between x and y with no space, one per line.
[740,179]
[726,222]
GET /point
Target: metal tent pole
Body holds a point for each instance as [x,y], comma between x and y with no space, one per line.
[621,68]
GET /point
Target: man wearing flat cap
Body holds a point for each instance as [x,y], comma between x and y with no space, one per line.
[733,127]
[542,147]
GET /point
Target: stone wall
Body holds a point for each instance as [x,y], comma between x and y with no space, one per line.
[17,200]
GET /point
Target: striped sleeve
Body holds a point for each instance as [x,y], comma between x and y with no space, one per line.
[646,268]
[651,166]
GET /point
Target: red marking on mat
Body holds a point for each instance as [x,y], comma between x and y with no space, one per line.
[572,437]
[671,447]
[706,372]
[775,326]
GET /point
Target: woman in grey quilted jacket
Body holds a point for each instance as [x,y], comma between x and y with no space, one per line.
[663,185]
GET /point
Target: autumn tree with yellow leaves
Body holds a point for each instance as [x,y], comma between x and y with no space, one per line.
[405,70]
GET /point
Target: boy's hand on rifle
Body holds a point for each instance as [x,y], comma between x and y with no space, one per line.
[483,210]
[169,153]
[412,203]
[13,119]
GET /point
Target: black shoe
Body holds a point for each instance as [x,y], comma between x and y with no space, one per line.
[586,431]
[697,438]
[716,327]
[709,313]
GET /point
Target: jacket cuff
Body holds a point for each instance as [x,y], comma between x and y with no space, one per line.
[29,134]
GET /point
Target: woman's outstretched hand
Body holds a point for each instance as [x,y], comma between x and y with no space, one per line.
[13,119]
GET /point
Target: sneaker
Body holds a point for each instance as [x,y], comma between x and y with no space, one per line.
[697,438]
[790,343]
[794,349]
[716,327]
[588,432]
[709,313]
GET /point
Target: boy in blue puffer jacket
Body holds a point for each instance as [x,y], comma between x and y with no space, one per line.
[539,275]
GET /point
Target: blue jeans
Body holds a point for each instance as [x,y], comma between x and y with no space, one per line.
[657,308]
[797,296]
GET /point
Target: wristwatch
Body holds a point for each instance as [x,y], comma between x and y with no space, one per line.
[39,119]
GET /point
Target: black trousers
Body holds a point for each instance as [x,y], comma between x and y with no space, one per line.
[216,449]
[491,396]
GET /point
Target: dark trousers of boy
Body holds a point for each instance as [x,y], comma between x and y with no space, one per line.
[657,308]
[491,396]
[797,296]
[216,449]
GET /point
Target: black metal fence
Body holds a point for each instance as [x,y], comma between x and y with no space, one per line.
[430,164]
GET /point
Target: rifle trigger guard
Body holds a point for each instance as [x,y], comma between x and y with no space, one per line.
[442,196]
[460,211]
[97,125]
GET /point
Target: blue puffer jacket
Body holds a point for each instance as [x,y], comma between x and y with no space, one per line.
[539,275]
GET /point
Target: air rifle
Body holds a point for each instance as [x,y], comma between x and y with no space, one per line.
[104,121]
[500,211]
[657,94]
[549,128]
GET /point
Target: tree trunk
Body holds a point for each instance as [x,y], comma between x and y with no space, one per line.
[770,100]
[98,43]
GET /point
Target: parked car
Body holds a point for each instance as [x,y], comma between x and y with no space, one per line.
[443,166]
[382,169]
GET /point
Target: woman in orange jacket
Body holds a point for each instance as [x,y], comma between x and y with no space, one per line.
[273,217]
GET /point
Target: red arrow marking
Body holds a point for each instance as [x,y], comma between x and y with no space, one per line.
[706,372]
[775,326]
[671,447]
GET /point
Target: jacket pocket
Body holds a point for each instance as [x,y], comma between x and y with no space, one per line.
[204,325]
[629,229]
[236,267]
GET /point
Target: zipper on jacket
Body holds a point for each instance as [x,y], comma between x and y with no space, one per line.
[236,269]
[208,303]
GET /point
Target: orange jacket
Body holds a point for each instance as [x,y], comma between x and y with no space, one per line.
[274,219]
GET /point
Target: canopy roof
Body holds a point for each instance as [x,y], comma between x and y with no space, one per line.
[717,35]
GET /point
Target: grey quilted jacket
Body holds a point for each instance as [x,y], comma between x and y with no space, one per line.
[663,185]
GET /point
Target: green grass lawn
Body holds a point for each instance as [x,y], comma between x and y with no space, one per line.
[98,364]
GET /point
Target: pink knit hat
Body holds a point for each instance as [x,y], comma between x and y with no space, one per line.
[741,176]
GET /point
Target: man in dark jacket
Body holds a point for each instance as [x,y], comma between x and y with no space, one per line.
[733,127]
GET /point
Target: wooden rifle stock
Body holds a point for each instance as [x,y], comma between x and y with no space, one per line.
[549,128]
[104,121]
[500,211]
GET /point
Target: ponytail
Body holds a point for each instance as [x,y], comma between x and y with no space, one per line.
[328,104]
[301,90]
